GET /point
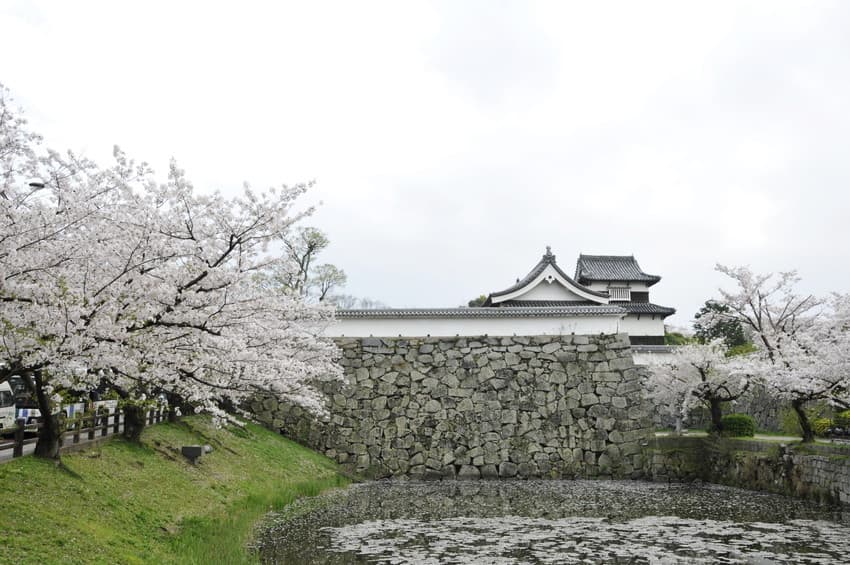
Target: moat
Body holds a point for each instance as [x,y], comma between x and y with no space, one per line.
[514,522]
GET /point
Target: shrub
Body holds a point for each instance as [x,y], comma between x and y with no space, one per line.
[738,425]
[821,426]
[842,419]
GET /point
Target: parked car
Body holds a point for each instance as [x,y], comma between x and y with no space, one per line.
[7,408]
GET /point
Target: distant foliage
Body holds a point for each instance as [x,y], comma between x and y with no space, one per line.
[738,425]
[477,302]
[349,302]
[677,338]
[741,350]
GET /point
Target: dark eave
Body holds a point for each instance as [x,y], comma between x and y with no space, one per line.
[548,259]
[646,308]
[609,268]
[522,312]
[630,307]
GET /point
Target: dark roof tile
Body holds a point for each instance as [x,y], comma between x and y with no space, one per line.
[521,312]
[630,307]
[591,268]
[645,308]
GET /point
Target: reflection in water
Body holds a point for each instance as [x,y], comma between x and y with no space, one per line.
[554,522]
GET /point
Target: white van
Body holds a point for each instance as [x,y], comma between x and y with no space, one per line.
[7,408]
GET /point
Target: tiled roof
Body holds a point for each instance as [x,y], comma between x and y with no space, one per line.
[611,268]
[548,259]
[522,312]
[630,307]
[646,308]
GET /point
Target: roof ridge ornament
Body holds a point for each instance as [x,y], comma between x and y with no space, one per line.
[548,256]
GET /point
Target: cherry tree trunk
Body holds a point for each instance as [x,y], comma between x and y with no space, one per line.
[50,433]
[803,418]
[174,402]
[716,416]
[134,422]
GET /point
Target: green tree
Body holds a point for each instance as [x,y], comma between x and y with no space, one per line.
[477,302]
[717,321]
[677,338]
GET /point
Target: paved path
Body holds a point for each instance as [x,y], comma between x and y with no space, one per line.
[760,437]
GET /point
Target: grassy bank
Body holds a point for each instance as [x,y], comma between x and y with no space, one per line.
[124,503]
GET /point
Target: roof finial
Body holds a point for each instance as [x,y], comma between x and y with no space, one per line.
[548,256]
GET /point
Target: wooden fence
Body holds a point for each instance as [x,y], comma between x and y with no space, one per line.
[81,430]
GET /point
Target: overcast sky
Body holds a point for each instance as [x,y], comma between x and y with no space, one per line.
[451,142]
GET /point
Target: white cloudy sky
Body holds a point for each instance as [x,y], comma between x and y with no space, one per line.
[451,142]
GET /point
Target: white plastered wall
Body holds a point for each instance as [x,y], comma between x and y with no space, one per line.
[550,285]
[394,327]
[644,325]
[550,291]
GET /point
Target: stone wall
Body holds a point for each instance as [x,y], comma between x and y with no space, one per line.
[817,472]
[544,406]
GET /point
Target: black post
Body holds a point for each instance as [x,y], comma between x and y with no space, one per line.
[116,425]
[18,450]
[92,425]
[104,421]
[77,425]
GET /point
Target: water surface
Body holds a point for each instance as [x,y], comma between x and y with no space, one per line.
[554,522]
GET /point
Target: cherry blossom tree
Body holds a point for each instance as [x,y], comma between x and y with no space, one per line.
[815,365]
[669,391]
[700,374]
[803,339]
[768,305]
[111,276]
[39,245]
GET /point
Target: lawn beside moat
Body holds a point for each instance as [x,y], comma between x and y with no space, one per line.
[125,503]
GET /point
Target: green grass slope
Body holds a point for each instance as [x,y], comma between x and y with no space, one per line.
[125,503]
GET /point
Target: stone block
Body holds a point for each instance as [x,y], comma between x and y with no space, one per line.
[468,472]
[432,406]
[589,399]
[508,469]
[509,417]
